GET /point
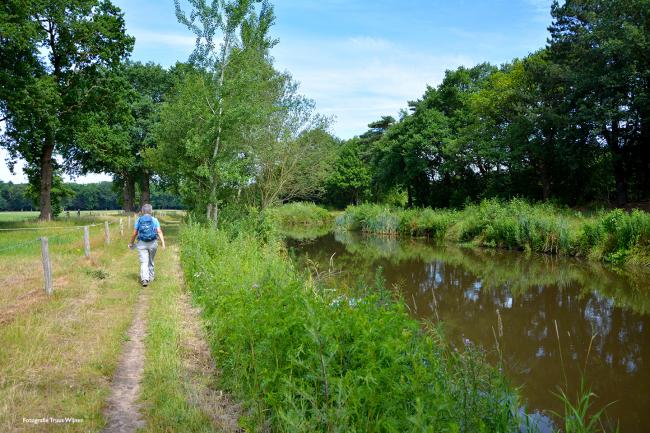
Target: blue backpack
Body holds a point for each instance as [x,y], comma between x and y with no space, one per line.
[146,230]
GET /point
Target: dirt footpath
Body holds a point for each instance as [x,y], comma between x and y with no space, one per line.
[123,412]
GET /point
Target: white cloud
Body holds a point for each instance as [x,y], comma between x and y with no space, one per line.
[146,37]
[542,9]
[360,79]
[369,43]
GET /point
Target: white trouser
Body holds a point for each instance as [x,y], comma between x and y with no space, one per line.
[147,252]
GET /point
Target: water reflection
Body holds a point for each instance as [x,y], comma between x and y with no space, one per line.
[465,287]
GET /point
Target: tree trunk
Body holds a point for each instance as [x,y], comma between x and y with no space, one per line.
[618,163]
[128,194]
[645,159]
[619,178]
[145,191]
[47,171]
[546,181]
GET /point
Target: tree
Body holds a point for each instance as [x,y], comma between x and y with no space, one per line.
[235,68]
[55,55]
[291,155]
[149,83]
[351,176]
[603,45]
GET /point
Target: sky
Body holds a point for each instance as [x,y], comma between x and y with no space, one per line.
[358,59]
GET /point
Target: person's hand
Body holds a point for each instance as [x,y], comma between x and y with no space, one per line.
[130,246]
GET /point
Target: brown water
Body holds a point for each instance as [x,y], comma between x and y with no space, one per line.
[465,287]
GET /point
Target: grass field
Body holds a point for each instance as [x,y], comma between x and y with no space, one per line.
[60,352]
[31,216]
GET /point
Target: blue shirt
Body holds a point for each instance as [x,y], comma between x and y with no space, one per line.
[156,223]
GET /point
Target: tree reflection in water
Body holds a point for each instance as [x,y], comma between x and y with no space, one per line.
[466,286]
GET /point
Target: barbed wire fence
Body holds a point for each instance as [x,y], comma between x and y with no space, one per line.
[81,232]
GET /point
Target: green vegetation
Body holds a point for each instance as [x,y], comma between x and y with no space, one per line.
[173,391]
[59,352]
[614,236]
[89,196]
[305,359]
[300,213]
[60,92]
[393,221]
[568,124]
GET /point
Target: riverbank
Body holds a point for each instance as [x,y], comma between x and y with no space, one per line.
[303,358]
[615,237]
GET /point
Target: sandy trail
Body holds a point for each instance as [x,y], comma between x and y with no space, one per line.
[123,412]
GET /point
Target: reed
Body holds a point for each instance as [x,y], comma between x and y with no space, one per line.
[579,414]
[614,236]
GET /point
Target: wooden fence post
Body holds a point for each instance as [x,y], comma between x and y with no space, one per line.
[107,233]
[121,228]
[86,242]
[47,266]
[128,225]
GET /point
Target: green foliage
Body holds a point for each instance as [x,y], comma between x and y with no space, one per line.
[615,236]
[59,95]
[393,221]
[350,179]
[305,359]
[90,196]
[579,415]
[300,213]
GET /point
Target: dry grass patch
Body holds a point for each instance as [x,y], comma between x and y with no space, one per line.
[59,353]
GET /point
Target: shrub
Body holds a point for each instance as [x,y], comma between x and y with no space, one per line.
[300,213]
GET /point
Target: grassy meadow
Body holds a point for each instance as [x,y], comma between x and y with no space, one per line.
[59,352]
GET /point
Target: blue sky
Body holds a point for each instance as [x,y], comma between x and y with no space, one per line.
[361,59]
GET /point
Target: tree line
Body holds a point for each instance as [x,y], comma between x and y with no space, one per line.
[75,196]
[569,123]
[224,126]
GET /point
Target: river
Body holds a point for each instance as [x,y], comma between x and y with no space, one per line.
[519,303]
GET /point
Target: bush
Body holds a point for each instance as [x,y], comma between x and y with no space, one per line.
[305,359]
[300,213]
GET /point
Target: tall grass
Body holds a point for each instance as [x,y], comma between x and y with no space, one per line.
[306,359]
[614,236]
[394,221]
[300,213]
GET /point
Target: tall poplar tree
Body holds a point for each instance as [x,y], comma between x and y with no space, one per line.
[232,45]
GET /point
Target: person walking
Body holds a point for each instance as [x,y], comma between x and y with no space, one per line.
[147,231]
